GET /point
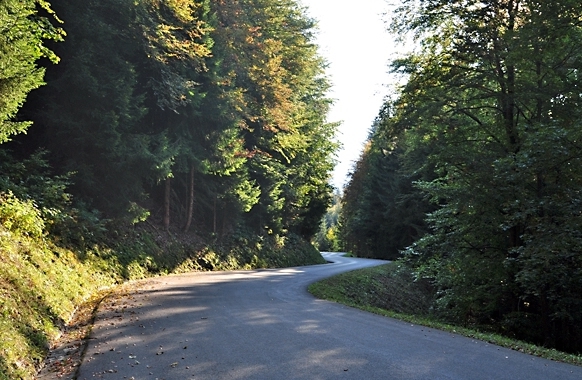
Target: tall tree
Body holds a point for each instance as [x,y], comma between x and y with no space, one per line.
[91,110]
[494,98]
[23,32]
[267,49]
[206,114]
[383,211]
[111,111]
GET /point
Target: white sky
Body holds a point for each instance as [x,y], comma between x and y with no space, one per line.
[353,38]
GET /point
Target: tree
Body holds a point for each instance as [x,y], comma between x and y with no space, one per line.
[23,33]
[198,113]
[383,212]
[494,98]
[111,111]
[266,48]
[327,238]
[91,111]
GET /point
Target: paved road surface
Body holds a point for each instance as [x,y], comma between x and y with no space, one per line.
[264,325]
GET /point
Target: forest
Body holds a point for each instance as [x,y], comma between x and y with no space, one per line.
[202,115]
[145,137]
[472,174]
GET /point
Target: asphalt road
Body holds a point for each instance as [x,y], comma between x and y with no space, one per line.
[264,325]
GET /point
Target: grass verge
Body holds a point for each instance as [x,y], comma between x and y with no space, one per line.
[386,290]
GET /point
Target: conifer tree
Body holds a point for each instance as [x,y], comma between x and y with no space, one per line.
[199,113]
[266,47]
[23,33]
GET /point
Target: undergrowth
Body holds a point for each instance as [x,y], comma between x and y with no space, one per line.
[41,286]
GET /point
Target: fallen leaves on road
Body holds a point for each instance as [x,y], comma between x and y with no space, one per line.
[66,353]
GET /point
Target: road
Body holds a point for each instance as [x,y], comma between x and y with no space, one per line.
[264,325]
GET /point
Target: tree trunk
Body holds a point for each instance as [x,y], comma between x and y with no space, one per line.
[214,221]
[549,340]
[167,193]
[190,200]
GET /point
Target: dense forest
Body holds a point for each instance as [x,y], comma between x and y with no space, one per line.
[147,137]
[473,173]
[144,137]
[202,115]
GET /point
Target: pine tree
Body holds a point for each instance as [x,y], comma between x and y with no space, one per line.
[23,32]
[198,113]
[267,50]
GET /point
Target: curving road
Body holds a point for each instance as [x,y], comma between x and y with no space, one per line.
[264,325]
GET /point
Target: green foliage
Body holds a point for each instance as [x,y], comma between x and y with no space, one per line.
[382,212]
[41,286]
[23,33]
[31,180]
[246,250]
[218,100]
[21,218]
[327,239]
[485,127]
[389,287]
[278,91]
[92,111]
[140,254]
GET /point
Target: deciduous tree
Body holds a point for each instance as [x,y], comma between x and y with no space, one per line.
[493,96]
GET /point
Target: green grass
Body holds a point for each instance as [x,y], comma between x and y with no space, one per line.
[41,286]
[390,291]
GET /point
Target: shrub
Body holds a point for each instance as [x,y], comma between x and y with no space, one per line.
[20,217]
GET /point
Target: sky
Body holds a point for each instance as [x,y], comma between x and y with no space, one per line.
[353,39]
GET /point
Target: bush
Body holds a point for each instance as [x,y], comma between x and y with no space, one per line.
[32,181]
[20,217]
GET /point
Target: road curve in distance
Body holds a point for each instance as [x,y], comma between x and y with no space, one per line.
[263,324]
